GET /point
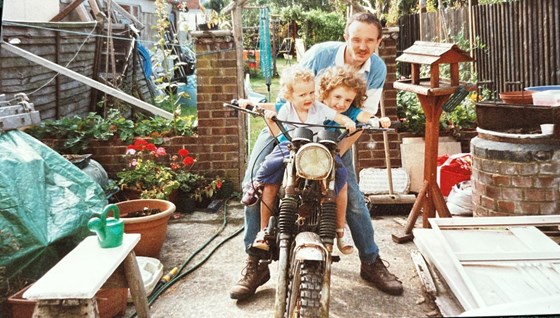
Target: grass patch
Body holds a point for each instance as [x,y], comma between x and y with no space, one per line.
[258,83]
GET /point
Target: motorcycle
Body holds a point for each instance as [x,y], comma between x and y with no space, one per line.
[302,230]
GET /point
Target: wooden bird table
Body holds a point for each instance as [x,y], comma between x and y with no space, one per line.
[432,93]
[429,200]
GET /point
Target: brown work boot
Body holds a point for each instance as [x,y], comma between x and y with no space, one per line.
[377,274]
[254,275]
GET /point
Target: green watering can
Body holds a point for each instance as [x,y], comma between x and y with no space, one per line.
[109,230]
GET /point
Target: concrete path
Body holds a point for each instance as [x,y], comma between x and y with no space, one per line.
[205,291]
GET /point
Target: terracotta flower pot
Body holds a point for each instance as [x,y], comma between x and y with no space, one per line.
[152,228]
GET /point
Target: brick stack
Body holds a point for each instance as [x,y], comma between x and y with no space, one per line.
[515,179]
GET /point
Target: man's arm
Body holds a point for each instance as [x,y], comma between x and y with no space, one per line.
[375,82]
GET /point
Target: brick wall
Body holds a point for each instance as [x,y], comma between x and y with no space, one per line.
[370,151]
[515,179]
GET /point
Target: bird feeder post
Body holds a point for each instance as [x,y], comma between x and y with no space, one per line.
[432,93]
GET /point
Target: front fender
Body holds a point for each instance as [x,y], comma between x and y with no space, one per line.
[308,246]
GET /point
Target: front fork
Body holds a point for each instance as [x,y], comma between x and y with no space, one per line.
[283,265]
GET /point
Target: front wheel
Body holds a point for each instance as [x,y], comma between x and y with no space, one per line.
[305,291]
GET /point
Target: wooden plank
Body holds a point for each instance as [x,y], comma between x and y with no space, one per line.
[136,285]
[109,90]
[507,256]
[94,8]
[530,307]
[423,273]
[534,238]
[529,220]
[556,36]
[83,13]
[546,44]
[66,11]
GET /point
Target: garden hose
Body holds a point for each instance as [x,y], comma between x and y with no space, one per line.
[180,274]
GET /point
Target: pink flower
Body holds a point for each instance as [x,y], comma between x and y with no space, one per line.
[130,151]
[160,151]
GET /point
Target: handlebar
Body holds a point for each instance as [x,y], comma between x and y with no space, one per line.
[253,110]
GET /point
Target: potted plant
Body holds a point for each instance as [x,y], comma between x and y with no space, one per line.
[148,217]
[151,171]
[196,190]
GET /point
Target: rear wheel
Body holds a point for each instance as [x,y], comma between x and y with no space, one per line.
[305,298]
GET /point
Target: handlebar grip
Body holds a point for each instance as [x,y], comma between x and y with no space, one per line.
[235,102]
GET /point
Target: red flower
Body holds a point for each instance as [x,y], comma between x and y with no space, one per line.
[219,184]
[151,147]
[140,142]
[188,161]
[183,152]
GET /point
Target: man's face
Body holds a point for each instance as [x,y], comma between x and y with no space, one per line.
[362,40]
[340,98]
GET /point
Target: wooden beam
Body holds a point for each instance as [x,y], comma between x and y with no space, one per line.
[86,80]
[62,14]
[139,25]
[94,8]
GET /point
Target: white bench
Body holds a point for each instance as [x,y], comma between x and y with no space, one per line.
[69,288]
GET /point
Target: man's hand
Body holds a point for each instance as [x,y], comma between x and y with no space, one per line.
[383,122]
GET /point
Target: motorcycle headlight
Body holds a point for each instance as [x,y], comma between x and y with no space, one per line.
[314,161]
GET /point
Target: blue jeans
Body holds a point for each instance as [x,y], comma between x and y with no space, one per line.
[263,146]
[357,214]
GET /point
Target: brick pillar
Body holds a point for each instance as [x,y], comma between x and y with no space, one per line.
[221,150]
[370,151]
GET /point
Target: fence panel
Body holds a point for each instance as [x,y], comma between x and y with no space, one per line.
[521,38]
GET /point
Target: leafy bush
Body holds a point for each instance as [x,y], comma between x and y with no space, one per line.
[316,25]
[79,131]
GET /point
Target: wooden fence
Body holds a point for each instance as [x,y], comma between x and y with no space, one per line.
[69,44]
[521,39]
[77,46]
